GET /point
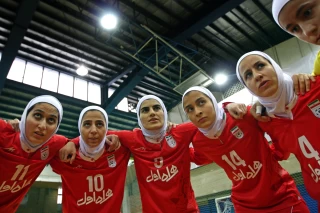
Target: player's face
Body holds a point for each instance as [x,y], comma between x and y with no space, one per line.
[259,75]
[199,109]
[93,128]
[151,114]
[41,123]
[301,18]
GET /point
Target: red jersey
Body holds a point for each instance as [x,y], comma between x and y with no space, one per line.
[163,169]
[20,169]
[259,183]
[300,136]
[96,186]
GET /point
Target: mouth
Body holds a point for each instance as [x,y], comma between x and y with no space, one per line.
[39,134]
[263,83]
[153,120]
[201,120]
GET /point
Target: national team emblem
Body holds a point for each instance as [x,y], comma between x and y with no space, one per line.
[237,132]
[170,141]
[112,161]
[315,107]
[44,152]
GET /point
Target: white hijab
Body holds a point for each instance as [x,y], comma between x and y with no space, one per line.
[283,98]
[87,152]
[27,145]
[153,135]
[277,6]
[216,128]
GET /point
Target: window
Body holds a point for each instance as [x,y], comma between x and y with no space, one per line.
[33,74]
[50,80]
[59,198]
[94,93]
[17,70]
[123,105]
[80,89]
[54,81]
[65,85]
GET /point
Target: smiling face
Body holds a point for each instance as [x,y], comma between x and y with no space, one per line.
[41,123]
[259,75]
[301,18]
[151,114]
[93,128]
[199,109]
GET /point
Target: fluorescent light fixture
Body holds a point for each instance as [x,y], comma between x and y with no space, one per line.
[109,21]
[221,79]
[82,70]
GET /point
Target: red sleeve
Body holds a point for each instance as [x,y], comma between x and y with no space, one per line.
[278,154]
[76,141]
[125,136]
[197,158]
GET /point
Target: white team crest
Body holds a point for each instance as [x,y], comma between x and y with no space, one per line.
[237,132]
[315,107]
[170,141]
[44,152]
[112,161]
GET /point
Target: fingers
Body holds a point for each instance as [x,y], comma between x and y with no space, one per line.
[302,83]
[295,84]
[73,157]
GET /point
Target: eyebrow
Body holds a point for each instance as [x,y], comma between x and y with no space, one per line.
[190,104]
[39,110]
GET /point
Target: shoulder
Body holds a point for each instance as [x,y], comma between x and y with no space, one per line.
[185,127]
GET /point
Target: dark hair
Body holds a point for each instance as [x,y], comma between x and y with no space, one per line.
[31,108]
[94,110]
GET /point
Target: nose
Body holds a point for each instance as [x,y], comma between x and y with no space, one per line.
[198,111]
[257,75]
[93,129]
[309,29]
[42,124]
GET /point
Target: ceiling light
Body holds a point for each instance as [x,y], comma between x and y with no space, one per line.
[109,21]
[82,70]
[220,79]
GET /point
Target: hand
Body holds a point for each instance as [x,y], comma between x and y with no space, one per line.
[113,142]
[257,111]
[170,126]
[301,83]
[68,152]
[14,124]
[236,110]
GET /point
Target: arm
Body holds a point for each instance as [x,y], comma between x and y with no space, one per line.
[197,158]
[236,110]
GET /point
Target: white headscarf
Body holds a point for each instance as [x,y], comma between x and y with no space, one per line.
[281,103]
[153,135]
[216,128]
[277,6]
[27,145]
[85,150]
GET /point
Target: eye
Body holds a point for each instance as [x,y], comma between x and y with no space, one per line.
[294,30]
[51,121]
[248,75]
[307,13]
[202,102]
[100,124]
[37,116]
[86,124]
[260,66]
[156,108]
[144,110]
[189,109]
